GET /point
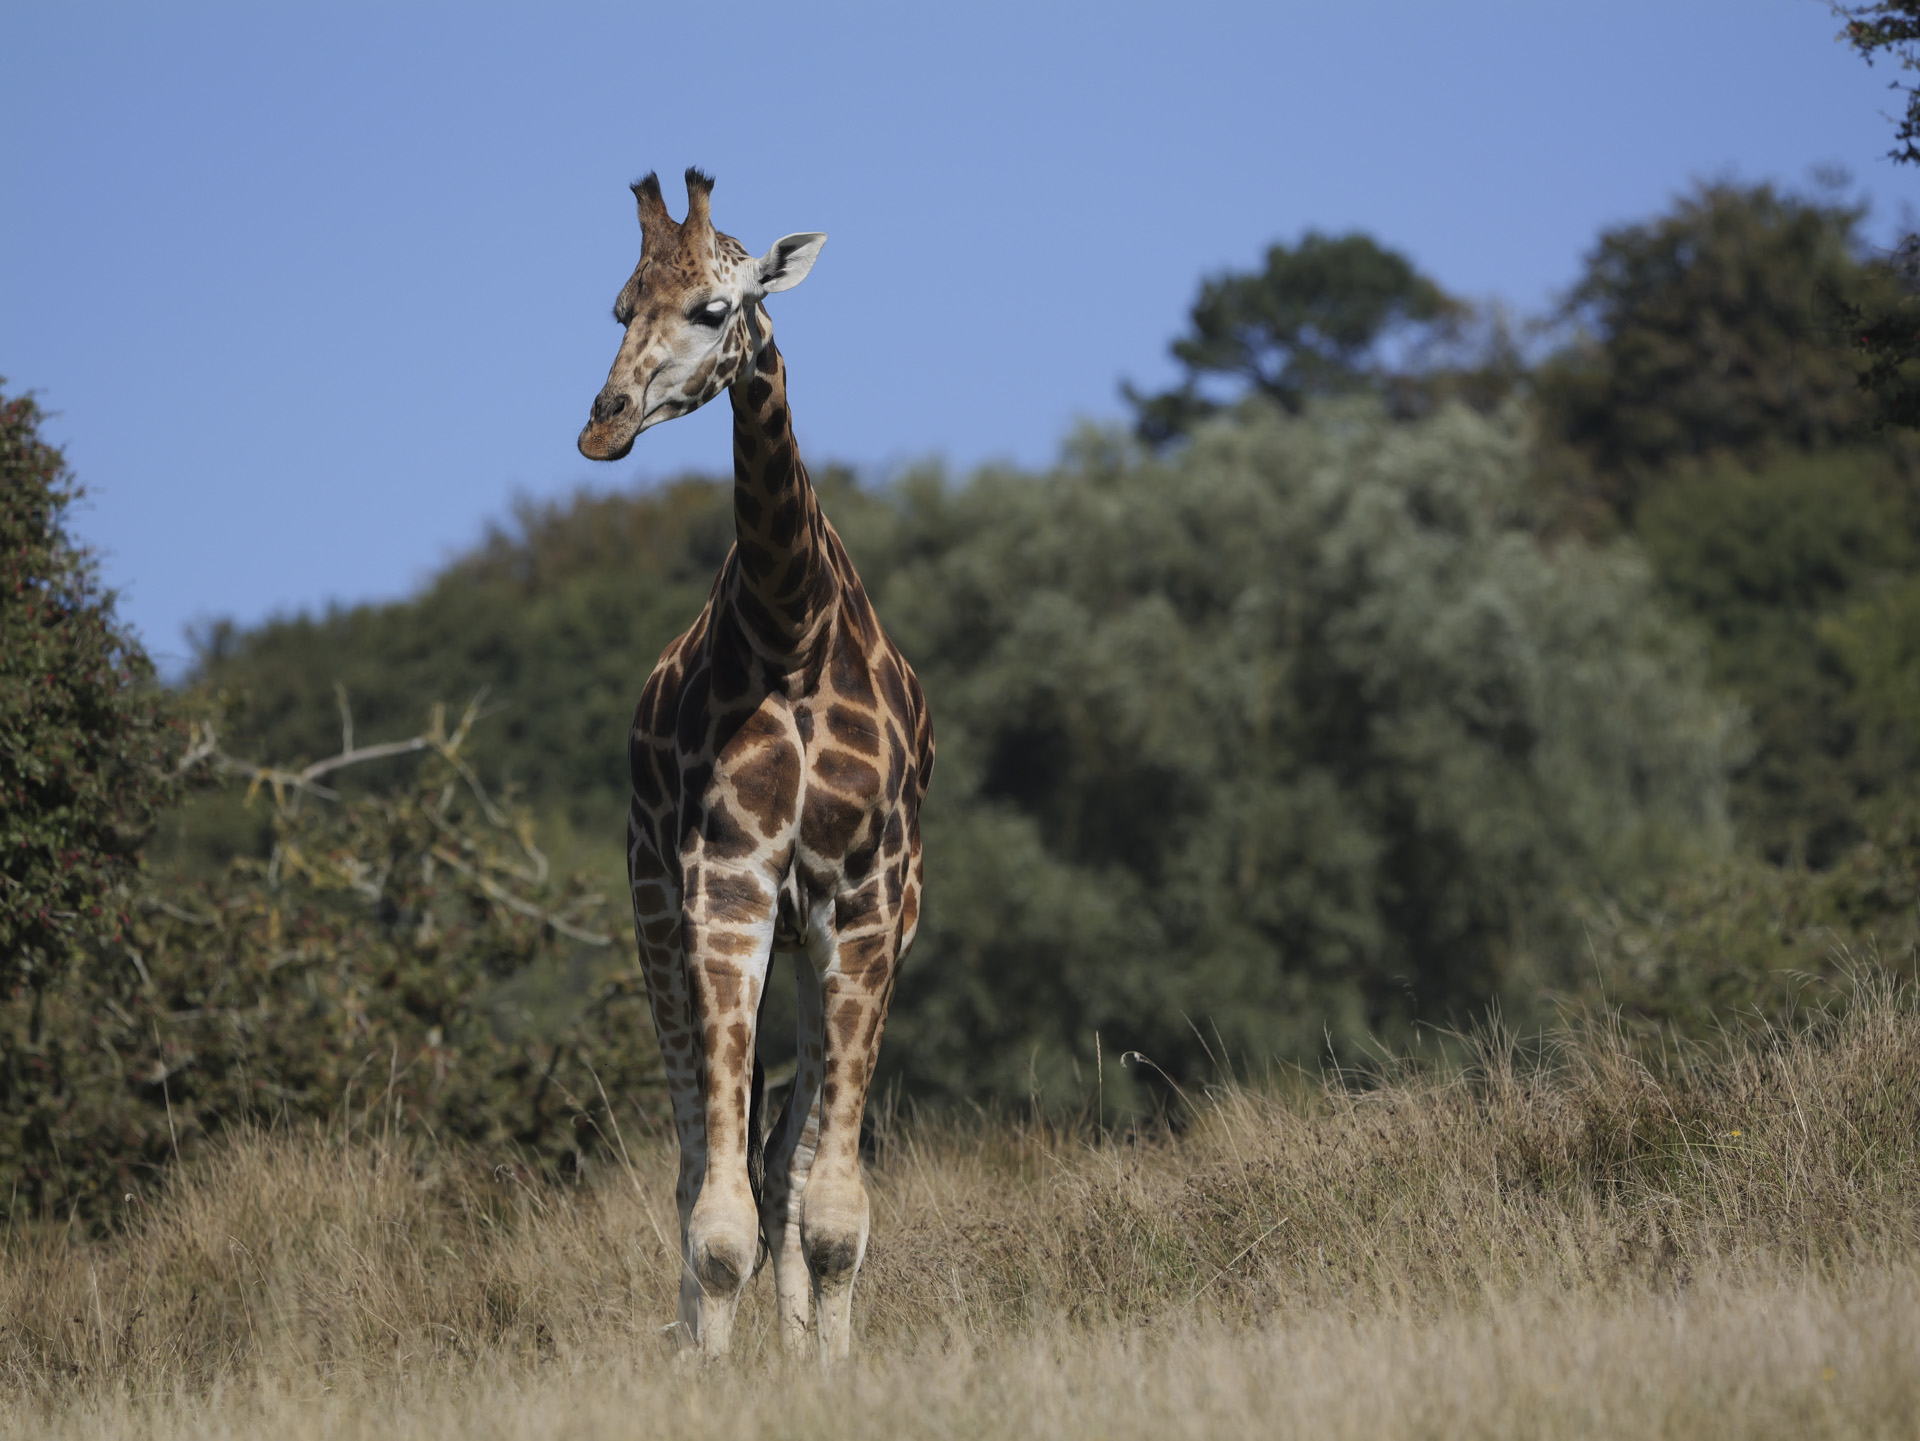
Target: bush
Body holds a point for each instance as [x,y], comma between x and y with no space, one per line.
[1742,941]
[351,974]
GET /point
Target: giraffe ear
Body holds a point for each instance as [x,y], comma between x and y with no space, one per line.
[787,264]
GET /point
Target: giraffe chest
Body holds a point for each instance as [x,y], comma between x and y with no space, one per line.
[798,791]
[808,781]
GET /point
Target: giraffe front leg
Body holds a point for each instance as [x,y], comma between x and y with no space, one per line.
[656,920]
[790,1158]
[729,939]
[856,984]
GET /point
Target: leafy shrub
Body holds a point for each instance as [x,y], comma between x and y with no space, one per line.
[350,974]
[1742,941]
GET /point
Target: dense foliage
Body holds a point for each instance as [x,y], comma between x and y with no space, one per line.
[1708,406]
[360,946]
[1331,316]
[85,761]
[1742,941]
[1791,568]
[1886,329]
[1290,739]
[352,973]
[1298,731]
[1713,330]
[1706,401]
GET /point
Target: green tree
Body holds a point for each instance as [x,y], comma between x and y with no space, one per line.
[1876,638]
[1712,330]
[1299,731]
[1712,407]
[1891,27]
[1886,330]
[1295,737]
[1768,560]
[1333,315]
[87,752]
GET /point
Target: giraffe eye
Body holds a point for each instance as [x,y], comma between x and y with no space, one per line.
[712,313]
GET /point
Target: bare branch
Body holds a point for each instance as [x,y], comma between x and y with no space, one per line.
[507,898]
[365,753]
[202,744]
[436,738]
[346,718]
[181,915]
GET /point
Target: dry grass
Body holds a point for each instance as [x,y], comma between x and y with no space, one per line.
[1723,1244]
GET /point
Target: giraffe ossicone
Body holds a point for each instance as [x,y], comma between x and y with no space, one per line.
[778,757]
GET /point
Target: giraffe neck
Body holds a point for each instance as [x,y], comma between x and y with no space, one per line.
[784,583]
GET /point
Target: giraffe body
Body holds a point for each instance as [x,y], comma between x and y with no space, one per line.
[778,757]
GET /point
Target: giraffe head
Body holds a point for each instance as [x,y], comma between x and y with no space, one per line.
[692,315]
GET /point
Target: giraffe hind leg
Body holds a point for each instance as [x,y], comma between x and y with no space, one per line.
[790,1154]
[856,981]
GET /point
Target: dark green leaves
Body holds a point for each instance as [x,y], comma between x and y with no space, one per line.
[1330,316]
[1715,329]
[86,751]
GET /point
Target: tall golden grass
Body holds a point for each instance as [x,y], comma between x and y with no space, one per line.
[1586,1241]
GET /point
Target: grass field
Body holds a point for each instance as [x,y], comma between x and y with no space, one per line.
[1587,1243]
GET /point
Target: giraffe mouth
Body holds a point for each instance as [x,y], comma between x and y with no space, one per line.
[664,410]
[600,442]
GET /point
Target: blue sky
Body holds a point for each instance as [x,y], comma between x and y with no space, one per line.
[315,291]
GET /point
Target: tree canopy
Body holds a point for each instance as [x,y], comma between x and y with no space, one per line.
[1712,330]
[1333,315]
[1767,560]
[1294,737]
[1886,328]
[86,752]
[1298,731]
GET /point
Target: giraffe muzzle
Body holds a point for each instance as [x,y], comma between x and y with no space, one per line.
[609,407]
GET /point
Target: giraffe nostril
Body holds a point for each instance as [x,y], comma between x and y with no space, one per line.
[605,407]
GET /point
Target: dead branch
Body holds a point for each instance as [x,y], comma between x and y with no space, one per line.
[507,898]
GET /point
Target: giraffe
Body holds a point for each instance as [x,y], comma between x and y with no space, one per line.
[778,758]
